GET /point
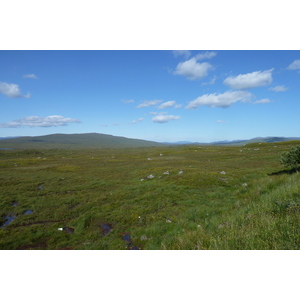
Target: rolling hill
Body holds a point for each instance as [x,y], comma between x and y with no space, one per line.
[75,141]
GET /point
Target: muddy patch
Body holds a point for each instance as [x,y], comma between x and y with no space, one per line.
[8,220]
[69,229]
[106,229]
[129,244]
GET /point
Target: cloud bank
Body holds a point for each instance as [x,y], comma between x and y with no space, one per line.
[34,121]
[220,100]
[11,90]
[250,80]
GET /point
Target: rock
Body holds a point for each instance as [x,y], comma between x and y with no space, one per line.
[151,176]
[223,172]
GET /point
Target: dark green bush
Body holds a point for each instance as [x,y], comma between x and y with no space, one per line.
[291,159]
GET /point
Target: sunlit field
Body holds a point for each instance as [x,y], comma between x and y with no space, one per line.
[155,198]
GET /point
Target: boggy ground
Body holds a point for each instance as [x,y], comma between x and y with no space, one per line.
[187,197]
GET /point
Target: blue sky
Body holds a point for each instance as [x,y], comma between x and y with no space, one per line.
[163,95]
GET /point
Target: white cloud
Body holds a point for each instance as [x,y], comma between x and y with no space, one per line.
[205,55]
[136,121]
[279,88]
[250,80]
[295,65]
[185,53]
[167,104]
[11,90]
[148,103]
[262,101]
[220,100]
[164,118]
[34,121]
[32,76]
[219,121]
[193,70]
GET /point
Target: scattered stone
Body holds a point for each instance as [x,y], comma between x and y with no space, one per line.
[223,172]
[150,176]
[142,179]
[61,229]
[149,158]
[161,154]
[180,172]
[166,173]
[168,221]
[245,184]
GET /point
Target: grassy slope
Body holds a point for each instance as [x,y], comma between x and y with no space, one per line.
[75,141]
[245,208]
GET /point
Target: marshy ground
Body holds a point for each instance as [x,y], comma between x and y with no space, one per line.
[186,197]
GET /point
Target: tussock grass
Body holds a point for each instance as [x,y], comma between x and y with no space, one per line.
[211,198]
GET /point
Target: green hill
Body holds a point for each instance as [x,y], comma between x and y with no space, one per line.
[75,141]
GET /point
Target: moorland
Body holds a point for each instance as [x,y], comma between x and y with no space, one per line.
[152,197]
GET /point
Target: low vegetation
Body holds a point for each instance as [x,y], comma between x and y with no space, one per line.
[185,197]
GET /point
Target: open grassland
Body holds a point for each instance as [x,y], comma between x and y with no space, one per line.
[186,197]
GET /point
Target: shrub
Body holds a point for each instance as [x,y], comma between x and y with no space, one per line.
[291,159]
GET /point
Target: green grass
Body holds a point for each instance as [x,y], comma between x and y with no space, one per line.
[254,205]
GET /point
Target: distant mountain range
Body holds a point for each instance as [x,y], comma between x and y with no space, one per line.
[97,140]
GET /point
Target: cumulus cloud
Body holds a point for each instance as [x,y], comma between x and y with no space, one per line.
[295,65]
[279,88]
[164,118]
[148,103]
[136,121]
[262,101]
[11,90]
[250,80]
[31,76]
[193,70]
[34,121]
[220,100]
[185,53]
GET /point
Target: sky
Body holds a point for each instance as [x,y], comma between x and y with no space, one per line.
[158,95]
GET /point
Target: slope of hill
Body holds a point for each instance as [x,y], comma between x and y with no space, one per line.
[75,141]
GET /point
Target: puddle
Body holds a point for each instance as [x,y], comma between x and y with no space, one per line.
[8,219]
[40,187]
[130,246]
[106,229]
[15,203]
[28,212]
